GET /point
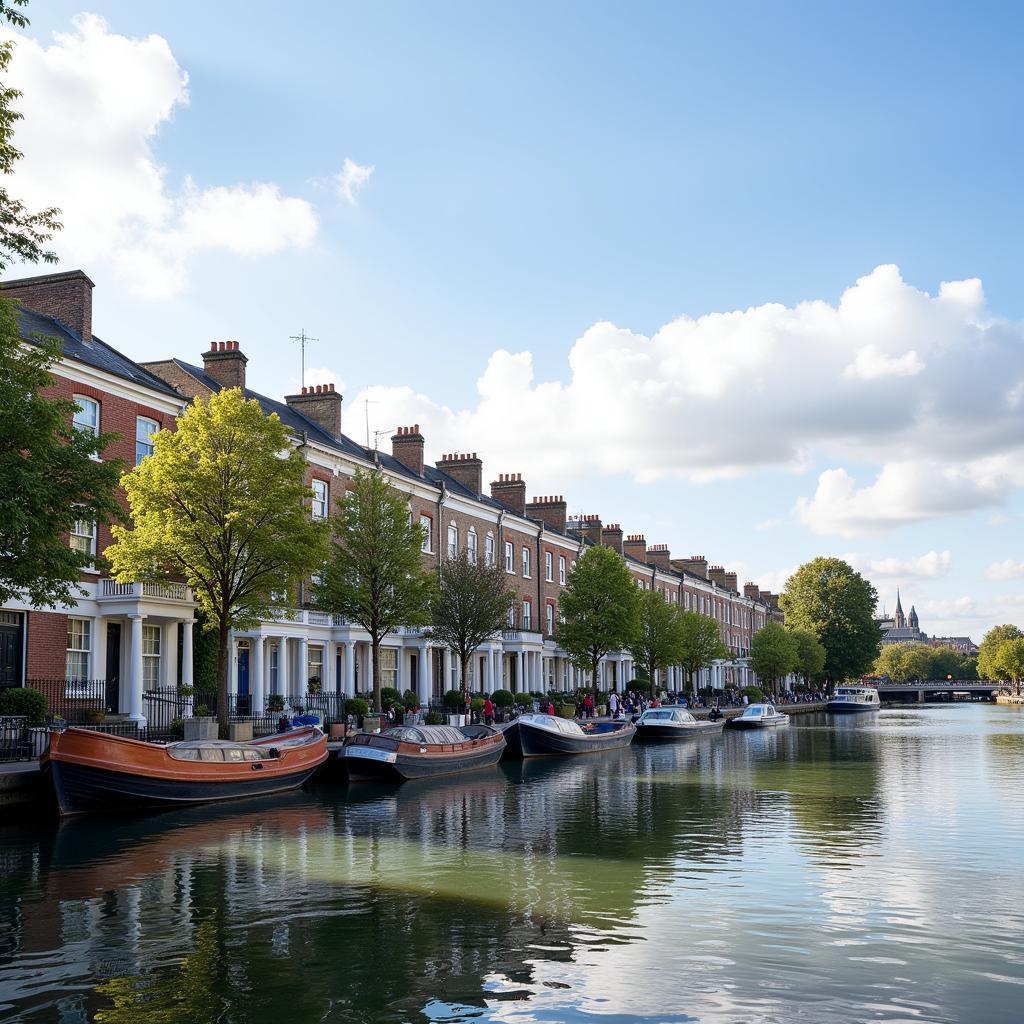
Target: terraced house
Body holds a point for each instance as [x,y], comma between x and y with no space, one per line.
[143,633]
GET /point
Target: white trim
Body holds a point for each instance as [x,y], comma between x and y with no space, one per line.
[119,387]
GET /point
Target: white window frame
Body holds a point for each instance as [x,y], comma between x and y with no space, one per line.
[389,667]
[489,549]
[79,421]
[527,615]
[78,655]
[549,567]
[561,569]
[551,618]
[453,540]
[81,530]
[510,555]
[145,442]
[471,550]
[526,563]
[321,496]
[315,667]
[152,649]
[428,534]
[511,616]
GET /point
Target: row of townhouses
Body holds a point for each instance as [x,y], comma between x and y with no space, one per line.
[139,636]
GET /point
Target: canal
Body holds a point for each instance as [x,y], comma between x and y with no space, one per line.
[831,871]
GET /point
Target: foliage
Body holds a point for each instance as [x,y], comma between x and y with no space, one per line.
[50,474]
[810,655]
[275,703]
[200,711]
[503,698]
[177,728]
[827,598]
[642,684]
[220,502]
[204,654]
[989,666]
[356,706]
[410,700]
[432,718]
[374,575]
[774,652]
[701,643]
[754,694]
[1010,659]
[658,642]
[19,700]
[455,699]
[891,662]
[471,605]
[476,705]
[600,605]
[391,698]
[565,710]
[902,662]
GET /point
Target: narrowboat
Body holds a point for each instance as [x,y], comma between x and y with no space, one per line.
[95,771]
[852,699]
[547,736]
[672,723]
[422,752]
[758,716]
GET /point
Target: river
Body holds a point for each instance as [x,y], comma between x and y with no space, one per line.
[831,871]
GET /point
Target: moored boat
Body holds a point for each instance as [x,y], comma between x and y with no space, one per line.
[546,735]
[758,716]
[672,723]
[421,752]
[95,771]
[852,699]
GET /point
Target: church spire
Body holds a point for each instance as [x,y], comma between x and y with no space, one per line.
[901,621]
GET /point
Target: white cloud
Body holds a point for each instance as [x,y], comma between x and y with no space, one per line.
[94,102]
[1007,570]
[930,566]
[769,524]
[351,180]
[870,363]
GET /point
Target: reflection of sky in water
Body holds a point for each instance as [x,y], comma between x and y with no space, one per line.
[869,871]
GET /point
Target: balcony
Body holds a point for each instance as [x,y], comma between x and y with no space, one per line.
[111,590]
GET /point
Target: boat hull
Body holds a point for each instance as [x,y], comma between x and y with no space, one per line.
[738,723]
[667,733]
[849,708]
[364,764]
[526,740]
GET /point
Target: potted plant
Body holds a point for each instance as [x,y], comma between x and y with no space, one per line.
[358,709]
[95,716]
[275,704]
[502,701]
[313,684]
[455,702]
[476,707]
[201,726]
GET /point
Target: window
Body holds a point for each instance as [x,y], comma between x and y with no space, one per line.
[144,431]
[87,415]
[548,560]
[526,615]
[526,563]
[453,541]
[471,545]
[561,569]
[319,499]
[511,616]
[551,619]
[315,665]
[389,667]
[427,530]
[509,567]
[83,538]
[150,657]
[489,549]
[76,664]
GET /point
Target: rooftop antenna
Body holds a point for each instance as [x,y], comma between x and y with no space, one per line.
[366,409]
[302,337]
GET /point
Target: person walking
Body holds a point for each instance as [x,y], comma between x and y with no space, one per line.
[613,704]
[488,712]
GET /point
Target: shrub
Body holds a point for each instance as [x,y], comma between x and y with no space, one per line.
[389,696]
[19,700]
[411,701]
[432,718]
[201,711]
[177,729]
[639,685]
[565,710]
[503,698]
[476,705]
[313,684]
[275,702]
[753,693]
[454,699]
[356,706]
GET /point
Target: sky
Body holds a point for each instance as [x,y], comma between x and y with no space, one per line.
[742,278]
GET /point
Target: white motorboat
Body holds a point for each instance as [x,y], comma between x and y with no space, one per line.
[850,699]
[672,723]
[758,716]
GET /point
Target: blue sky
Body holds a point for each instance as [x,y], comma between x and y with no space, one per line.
[541,172]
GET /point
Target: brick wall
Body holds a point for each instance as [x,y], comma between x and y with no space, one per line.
[182,382]
[68,297]
[47,643]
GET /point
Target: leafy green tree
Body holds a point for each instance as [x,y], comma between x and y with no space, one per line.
[774,653]
[374,575]
[891,662]
[830,600]
[918,662]
[471,605]
[700,643]
[50,476]
[221,503]
[988,651]
[601,609]
[1010,659]
[810,655]
[659,640]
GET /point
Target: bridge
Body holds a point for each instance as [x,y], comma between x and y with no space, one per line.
[938,688]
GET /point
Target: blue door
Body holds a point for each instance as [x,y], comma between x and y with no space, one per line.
[243,681]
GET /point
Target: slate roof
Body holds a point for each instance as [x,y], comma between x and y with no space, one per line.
[95,353]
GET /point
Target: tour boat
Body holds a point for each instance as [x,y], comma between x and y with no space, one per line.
[758,716]
[546,735]
[95,771]
[850,699]
[422,752]
[672,723]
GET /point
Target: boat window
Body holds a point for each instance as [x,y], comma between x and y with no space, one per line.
[661,716]
[211,754]
[188,754]
[684,716]
[234,755]
[252,755]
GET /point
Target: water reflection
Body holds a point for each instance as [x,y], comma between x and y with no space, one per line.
[813,873]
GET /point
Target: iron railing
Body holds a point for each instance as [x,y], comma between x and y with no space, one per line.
[77,701]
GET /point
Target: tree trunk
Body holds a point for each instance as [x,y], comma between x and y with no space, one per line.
[375,655]
[222,681]
[596,660]
[464,667]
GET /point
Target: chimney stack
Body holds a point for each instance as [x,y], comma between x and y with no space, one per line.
[751,590]
[550,510]
[716,573]
[731,581]
[467,470]
[611,537]
[225,363]
[321,404]
[66,297]
[510,490]
[587,528]
[658,555]
[696,565]
[635,545]
[407,447]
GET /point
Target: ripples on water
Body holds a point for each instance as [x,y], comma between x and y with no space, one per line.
[828,872]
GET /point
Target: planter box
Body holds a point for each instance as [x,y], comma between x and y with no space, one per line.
[200,728]
[372,723]
[240,732]
[602,710]
[457,720]
[337,731]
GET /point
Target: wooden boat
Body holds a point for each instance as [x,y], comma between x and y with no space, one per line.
[546,735]
[758,716]
[422,752]
[853,699]
[94,771]
[672,723]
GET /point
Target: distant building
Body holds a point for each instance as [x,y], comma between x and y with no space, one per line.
[906,629]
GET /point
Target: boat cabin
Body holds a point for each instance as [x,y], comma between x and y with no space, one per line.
[759,711]
[668,716]
[220,750]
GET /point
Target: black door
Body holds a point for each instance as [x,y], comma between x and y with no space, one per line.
[10,649]
[113,667]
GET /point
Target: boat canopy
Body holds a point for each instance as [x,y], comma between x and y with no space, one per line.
[217,750]
[759,711]
[562,725]
[667,715]
[425,734]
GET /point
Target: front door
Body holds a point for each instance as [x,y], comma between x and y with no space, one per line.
[10,649]
[113,672]
[243,680]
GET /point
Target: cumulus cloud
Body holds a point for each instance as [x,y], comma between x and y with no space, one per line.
[929,566]
[351,180]
[1007,570]
[94,102]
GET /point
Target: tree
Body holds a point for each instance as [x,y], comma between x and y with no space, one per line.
[891,662]
[774,653]
[810,655]
[988,651]
[828,599]
[470,606]
[700,644]
[220,502]
[918,662]
[659,640]
[1010,659]
[374,575]
[600,606]
[50,476]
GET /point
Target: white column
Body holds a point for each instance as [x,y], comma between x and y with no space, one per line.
[256,676]
[446,683]
[169,654]
[350,668]
[302,679]
[422,666]
[135,675]
[327,677]
[232,664]
[520,674]
[489,681]
[282,668]
[186,653]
